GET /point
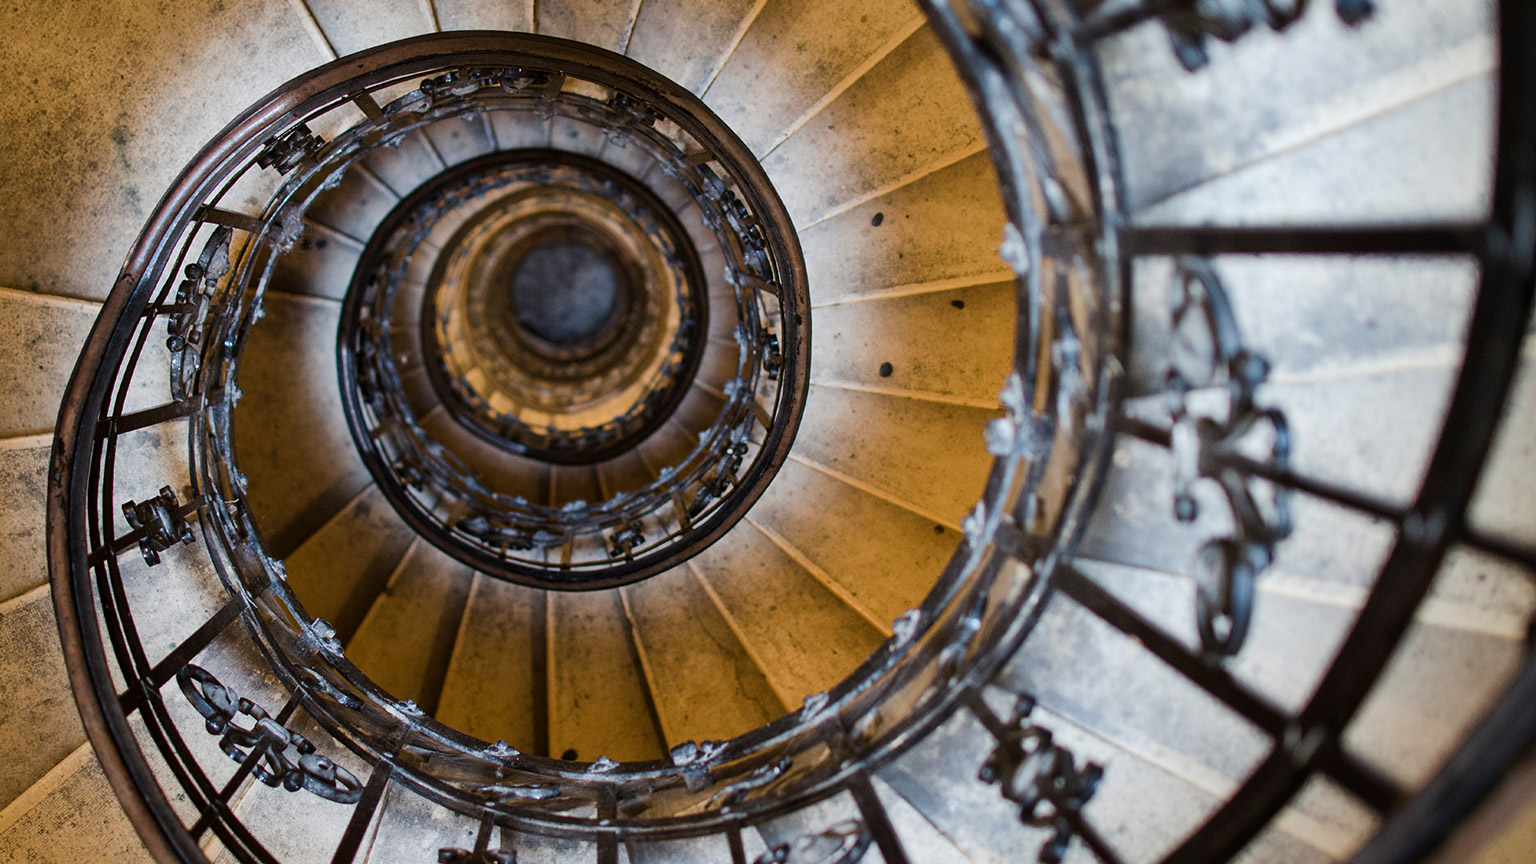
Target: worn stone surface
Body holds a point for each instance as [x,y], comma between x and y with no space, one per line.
[950,343]
[118,95]
[38,723]
[23,484]
[596,690]
[405,641]
[897,559]
[352,27]
[339,571]
[77,820]
[491,682]
[945,225]
[911,448]
[705,685]
[291,438]
[485,14]
[807,639]
[905,115]
[40,338]
[411,829]
[604,23]
[835,38]
[1190,128]
[688,41]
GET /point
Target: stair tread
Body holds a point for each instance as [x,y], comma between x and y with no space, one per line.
[909,113]
[485,14]
[604,24]
[912,449]
[291,395]
[807,637]
[82,178]
[597,692]
[411,829]
[1242,116]
[38,714]
[944,225]
[1437,170]
[685,41]
[23,485]
[351,27]
[494,681]
[934,347]
[1503,504]
[78,818]
[342,567]
[705,685]
[38,347]
[840,37]
[405,641]
[898,554]
[1318,317]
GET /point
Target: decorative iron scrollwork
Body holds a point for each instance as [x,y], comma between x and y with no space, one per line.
[185,328]
[1190,23]
[288,150]
[162,522]
[1207,352]
[1041,777]
[843,843]
[266,740]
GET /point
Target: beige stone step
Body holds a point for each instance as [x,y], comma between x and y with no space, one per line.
[942,226]
[688,42]
[809,639]
[1192,127]
[843,39]
[38,712]
[348,27]
[906,116]
[1316,317]
[705,683]
[895,559]
[405,642]
[598,703]
[496,684]
[291,438]
[411,829]
[484,14]
[500,470]
[595,22]
[1438,169]
[87,168]
[953,345]
[23,483]
[914,450]
[339,570]
[71,814]
[40,337]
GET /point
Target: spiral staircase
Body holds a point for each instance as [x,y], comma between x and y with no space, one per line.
[1009,431]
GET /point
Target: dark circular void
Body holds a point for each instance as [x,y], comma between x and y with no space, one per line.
[564,292]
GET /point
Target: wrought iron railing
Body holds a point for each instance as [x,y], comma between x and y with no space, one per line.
[320,727]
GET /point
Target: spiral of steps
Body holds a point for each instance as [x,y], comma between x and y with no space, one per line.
[803,683]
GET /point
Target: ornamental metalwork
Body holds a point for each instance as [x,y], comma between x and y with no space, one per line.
[277,756]
[1208,352]
[1042,778]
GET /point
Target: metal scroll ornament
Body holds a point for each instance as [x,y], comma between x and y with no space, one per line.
[1208,353]
[1041,777]
[843,843]
[1190,23]
[279,757]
